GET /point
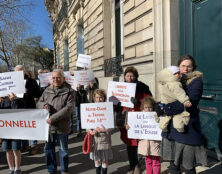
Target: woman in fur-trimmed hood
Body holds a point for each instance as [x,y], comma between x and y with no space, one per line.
[185,149]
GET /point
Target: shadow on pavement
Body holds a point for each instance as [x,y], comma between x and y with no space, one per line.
[214,170]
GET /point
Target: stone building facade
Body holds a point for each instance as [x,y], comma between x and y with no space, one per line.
[117,34]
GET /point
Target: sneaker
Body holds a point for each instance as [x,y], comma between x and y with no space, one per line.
[11,172]
[17,172]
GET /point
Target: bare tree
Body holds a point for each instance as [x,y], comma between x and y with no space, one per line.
[13,27]
[31,50]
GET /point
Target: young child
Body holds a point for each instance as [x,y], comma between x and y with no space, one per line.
[171,90]
[101,152]
[148,148]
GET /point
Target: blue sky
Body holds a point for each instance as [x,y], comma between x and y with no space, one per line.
[40,23]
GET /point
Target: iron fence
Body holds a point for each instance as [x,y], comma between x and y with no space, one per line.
[112,66]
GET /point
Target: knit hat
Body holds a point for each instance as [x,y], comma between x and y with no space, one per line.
[173,69]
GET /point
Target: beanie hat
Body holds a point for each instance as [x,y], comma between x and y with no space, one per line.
[87,143]
[173,69]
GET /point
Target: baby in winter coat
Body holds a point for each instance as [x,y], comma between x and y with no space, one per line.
[171,90]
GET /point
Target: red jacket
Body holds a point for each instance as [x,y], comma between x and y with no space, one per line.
[142,91]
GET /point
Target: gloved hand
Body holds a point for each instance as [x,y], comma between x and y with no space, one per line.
[158,108]
[135,101]
[118,107]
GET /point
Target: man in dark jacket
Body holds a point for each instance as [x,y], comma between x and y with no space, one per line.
[32,92]
[31,87]
[58,98]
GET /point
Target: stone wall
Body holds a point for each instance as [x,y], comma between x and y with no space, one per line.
[150,35]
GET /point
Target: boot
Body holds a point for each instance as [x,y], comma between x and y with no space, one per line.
[173,169]
[104,170]
[98,170]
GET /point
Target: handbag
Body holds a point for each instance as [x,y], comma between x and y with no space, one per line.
[87,143]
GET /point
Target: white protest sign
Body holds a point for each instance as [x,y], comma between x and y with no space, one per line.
[84,77]
[69,79]
[22,94]
[45,79]
[96,114]
[12,82]
[83,61]
[24,124]
[121,92]
[143,126]
[66,74]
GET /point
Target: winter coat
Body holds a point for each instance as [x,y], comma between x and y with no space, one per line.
[149,147]
[33,91]
[90,92]
[102,140]
[80,96]
[142,90]
[192,134]
[171,90]
[61,103]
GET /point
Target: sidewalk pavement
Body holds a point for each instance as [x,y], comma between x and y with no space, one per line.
[81,164]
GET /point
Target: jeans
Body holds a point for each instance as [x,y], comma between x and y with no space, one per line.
[51,163]
[78,120]
[10,144]
[71,123]
[24,143]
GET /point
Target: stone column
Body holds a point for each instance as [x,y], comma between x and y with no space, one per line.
[166,34]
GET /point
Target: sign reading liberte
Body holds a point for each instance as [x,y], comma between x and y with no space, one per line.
[84,61]
[143,126]
[121,92]
[96,114]
[12,82]
[24,124]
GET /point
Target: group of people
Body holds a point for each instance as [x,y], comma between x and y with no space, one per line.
[182,143]
[13,147]
[177,111]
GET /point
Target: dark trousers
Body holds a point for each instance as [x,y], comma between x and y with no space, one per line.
[132,156]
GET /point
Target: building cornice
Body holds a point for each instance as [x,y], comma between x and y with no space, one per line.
[73,8]
[49,4]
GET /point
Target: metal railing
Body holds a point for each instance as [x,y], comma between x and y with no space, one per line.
[112,66]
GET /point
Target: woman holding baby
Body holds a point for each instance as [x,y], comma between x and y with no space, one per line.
[185,149]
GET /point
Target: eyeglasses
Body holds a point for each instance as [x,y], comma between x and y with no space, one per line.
[184,66]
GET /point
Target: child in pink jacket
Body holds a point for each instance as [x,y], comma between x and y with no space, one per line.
[149,148]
